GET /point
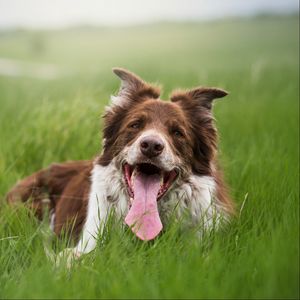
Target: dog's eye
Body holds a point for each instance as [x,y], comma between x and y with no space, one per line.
[177,133]
[135,125]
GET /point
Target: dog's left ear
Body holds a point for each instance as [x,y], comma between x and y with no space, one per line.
[133,88]
[204,96]
[197,105]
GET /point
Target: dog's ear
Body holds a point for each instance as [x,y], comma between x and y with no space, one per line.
[129,81]
[204,96]
[197,104]
[133,88]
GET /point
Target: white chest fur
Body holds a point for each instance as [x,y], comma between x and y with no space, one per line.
[195,199]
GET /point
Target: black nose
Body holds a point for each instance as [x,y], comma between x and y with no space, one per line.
[151,146]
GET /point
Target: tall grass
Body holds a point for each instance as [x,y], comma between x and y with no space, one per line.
[257,255]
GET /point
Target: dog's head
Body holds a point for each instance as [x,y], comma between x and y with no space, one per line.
[157,144]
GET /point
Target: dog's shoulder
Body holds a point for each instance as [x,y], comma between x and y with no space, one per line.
[59,175]
[70,185]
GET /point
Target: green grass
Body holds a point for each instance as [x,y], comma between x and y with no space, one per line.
[257,256]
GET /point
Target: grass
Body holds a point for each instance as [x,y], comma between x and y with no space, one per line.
[41,121]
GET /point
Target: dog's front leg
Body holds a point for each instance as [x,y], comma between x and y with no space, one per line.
[95,222]
[98,211]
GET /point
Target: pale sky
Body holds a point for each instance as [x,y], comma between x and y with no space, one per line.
[60,13]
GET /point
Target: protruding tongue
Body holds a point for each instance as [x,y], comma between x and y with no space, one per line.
[143,217]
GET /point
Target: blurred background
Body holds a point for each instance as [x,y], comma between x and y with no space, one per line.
[68,37]
[56,58]
[57,55]
[55,79]
[37,14]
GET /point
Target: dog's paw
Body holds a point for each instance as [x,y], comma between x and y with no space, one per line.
[67,257]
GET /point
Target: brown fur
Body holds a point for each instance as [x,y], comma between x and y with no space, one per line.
[189,112]
[64,187]
[187,122]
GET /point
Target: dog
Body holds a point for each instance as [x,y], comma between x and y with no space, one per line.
[159,159]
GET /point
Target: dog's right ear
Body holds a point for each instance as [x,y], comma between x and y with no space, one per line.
[133,88]
[129,81]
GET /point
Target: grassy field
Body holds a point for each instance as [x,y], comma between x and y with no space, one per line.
[44,121]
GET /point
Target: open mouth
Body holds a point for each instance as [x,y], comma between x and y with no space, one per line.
[146,184]
[148,169]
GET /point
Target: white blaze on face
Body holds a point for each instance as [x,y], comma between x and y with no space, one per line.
[148,185]
[166,159]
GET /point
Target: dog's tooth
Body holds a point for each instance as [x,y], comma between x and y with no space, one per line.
[133,175]
[161,181]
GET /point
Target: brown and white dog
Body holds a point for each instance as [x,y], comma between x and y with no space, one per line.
[159,158]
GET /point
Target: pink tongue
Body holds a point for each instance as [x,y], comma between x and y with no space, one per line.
[143,217]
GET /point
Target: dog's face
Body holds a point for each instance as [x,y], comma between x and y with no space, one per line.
[157,144]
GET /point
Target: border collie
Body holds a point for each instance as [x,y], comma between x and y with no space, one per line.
[158,159]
